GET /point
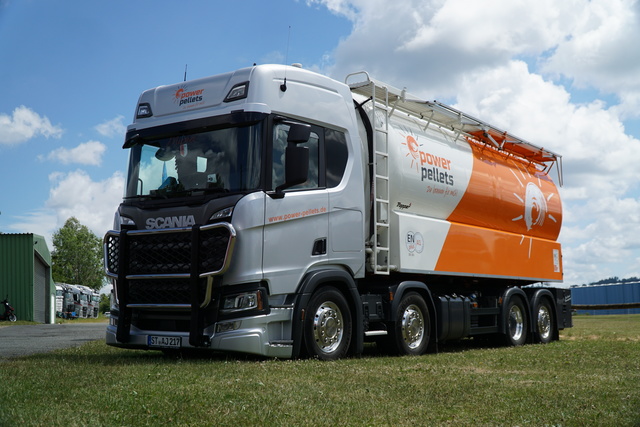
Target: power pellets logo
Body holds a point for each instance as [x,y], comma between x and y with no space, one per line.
[433,168]
[186,98]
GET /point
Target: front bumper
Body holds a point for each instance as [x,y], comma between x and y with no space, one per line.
[267,335]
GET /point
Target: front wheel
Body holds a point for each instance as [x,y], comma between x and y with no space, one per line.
[327,325]
[12,318]
[413,326]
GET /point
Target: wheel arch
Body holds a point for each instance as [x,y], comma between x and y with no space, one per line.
[507,295]
[535,296]
[311,282]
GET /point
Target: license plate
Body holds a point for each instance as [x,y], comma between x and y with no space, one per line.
[164,342]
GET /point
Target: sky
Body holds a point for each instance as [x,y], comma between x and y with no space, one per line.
[564,75]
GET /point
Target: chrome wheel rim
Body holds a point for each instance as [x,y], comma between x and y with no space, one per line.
[516,322]
[544,322]
[328,327]
[412,326]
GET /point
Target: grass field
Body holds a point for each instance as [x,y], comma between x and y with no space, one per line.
[591,377]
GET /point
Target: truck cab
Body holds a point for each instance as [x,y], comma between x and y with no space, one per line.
[232,184]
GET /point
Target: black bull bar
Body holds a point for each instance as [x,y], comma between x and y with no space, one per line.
[174,268]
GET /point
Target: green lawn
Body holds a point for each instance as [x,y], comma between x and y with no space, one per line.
[591,377]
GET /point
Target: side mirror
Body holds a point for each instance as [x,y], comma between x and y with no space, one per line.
[299,133]
[296,167]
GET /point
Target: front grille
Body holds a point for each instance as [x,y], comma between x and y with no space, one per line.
[158,291]
[157,253]
[111,252]
[213,248]
[157,267]
[162,253]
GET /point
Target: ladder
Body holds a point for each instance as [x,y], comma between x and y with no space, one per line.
[380,95]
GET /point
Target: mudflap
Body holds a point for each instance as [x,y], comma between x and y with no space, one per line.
[563,308]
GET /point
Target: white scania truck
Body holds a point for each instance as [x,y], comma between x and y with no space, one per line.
[275,211]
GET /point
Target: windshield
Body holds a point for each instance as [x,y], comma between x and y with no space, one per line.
[222,160]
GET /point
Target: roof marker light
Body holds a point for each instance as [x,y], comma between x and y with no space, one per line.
[144,110]
[239,91]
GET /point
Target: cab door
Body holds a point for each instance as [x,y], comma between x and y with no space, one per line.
[296,221]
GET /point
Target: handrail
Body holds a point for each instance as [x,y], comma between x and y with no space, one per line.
[456,121]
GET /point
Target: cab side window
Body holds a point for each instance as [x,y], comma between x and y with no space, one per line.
[336,154]
[280,133]
[328,155]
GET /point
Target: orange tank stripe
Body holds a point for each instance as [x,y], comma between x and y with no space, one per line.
[480,251]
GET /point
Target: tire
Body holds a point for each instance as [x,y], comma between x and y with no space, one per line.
[516,322]
[328,325]
[412,329]
[545,325]
[12,318]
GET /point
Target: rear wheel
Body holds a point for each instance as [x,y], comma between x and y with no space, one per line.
[545,322]
[413,327]
[516,331]
[327,325]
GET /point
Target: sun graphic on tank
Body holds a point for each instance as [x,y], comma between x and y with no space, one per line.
[533,200]
[413,150]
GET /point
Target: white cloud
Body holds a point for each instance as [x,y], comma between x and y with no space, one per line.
[491,27]
[602,50]
[604,243]
[339,7]
[93,203]
[427,45]
[87,153]
[602,53]
[41,222]
[25,124]
[112,128]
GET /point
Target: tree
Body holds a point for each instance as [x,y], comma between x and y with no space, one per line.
[105,303]
[77,255]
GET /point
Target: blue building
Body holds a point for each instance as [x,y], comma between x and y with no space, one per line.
[607,294]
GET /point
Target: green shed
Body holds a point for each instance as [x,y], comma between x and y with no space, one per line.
[25,277]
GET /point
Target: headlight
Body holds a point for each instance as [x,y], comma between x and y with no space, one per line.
[127,221]
[120,222]
[222,213]
[241,302]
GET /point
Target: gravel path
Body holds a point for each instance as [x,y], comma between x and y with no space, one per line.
[22,340]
